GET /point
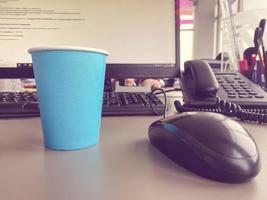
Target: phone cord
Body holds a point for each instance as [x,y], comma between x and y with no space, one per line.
[229,109]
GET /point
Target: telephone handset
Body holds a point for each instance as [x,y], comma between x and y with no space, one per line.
[199,79]
[229,93]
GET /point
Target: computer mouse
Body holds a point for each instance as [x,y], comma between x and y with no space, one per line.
[209,144]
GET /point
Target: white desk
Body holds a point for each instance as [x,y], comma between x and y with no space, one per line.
[122,166]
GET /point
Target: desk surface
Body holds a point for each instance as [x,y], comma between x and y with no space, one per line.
[122,166]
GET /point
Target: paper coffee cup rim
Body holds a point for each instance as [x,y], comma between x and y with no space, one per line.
[67,48]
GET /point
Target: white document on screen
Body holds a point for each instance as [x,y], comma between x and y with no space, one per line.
[140,31]
[28,23]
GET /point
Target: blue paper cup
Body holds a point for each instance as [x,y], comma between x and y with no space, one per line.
[70,83]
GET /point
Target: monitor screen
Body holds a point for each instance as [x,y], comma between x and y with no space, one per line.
[141,36]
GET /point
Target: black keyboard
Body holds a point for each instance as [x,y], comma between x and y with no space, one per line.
[25,104]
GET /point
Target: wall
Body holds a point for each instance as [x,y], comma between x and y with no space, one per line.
[254,4]
[248,20]
[204,34]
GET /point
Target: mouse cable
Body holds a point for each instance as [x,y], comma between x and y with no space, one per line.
[229,109]
[159,91]
[166,91]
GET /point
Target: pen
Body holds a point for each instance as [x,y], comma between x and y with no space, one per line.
[259,68]
[262,26]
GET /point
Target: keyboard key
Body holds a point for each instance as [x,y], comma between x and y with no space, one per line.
[252,93]
[259,96]
[231,93]
[242,93]
[232,96]
[243,96]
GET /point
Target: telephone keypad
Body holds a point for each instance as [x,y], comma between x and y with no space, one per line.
[235,87]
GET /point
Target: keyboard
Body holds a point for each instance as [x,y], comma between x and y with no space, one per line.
[25,104]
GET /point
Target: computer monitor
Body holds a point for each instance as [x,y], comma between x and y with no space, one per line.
[169,69]
[142,36]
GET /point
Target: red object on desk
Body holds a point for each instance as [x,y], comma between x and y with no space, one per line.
[243,65]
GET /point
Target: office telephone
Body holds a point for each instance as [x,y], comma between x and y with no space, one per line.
[229,93]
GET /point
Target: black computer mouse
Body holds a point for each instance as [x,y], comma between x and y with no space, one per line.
[209,144]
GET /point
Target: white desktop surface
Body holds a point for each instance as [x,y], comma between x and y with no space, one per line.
[124,165]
